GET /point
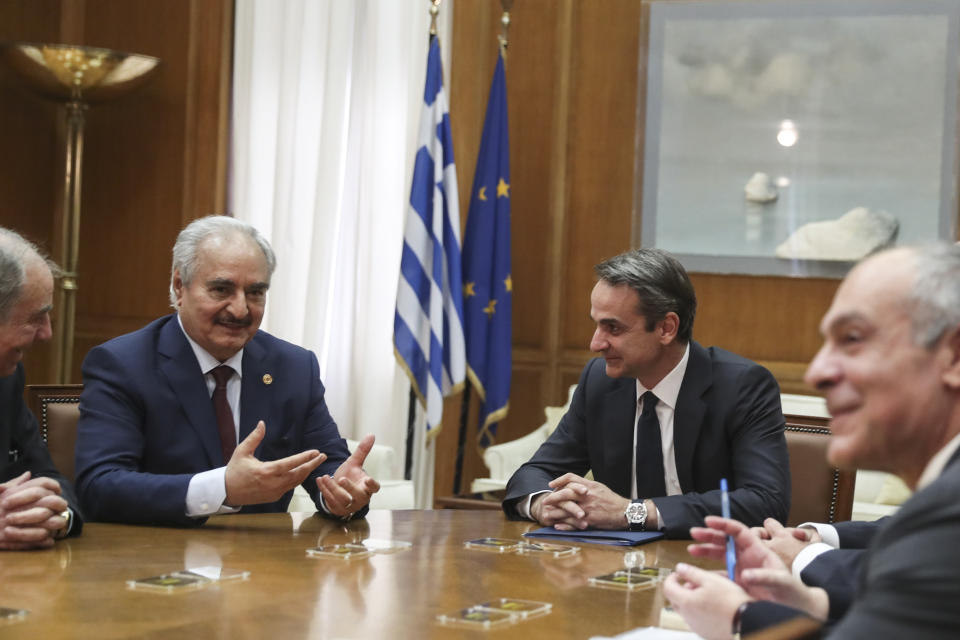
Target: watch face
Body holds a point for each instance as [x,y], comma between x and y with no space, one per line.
[636,512]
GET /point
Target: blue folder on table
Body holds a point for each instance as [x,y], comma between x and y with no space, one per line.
[597,536]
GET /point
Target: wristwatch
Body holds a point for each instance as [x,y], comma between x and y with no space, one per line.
[636,515]
[62,532]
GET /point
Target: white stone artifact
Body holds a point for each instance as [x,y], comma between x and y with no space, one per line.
[760,188]
[854,235]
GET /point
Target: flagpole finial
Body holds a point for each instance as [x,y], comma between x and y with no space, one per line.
[434,10]
[504,26]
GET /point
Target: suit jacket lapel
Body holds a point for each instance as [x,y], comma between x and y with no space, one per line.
[688,415]
[254,396]
[617,415]
[179,365]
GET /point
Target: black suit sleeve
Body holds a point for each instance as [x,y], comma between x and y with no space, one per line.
[837,572]
[31,451]
[743,440]
[565,451]
[857,534]
[761,615]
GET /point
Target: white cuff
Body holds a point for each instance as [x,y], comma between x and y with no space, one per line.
[206,492]
[828,533]
[523,507]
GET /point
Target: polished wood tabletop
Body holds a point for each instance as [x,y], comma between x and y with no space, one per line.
[79,590]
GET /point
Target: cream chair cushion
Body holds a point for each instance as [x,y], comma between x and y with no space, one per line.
[504,459]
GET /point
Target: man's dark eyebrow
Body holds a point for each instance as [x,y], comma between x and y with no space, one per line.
[39,313]
[259,286]
[221,282]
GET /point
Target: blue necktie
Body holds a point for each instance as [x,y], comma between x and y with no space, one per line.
[650,482]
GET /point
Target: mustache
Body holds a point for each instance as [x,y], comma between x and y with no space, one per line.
[229,319]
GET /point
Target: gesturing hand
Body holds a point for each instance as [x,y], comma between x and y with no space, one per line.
[350,488]
[251,481]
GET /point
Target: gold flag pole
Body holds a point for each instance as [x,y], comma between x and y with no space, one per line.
[504,27]
[434,10]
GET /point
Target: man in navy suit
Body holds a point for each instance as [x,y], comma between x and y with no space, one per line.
[201,413]
[37,504]
[712,415]
[890,370]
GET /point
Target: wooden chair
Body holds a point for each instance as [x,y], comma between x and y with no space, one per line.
[819,492]
[57,408]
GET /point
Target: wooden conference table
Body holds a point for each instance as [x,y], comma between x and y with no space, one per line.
[78,590]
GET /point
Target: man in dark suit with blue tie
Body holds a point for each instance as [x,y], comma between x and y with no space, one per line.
[659,420]
[200,412]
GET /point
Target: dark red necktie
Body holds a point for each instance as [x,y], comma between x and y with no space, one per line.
[228,432]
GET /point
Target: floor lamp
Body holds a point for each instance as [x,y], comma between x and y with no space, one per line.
[76,77]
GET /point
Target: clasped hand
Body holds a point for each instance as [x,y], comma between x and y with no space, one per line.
[252,481]
[30,511]
[578,503]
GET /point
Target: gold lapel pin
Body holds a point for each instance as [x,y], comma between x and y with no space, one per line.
[267,378]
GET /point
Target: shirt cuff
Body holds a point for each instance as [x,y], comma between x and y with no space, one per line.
[828,533]
[206,493]
[523,506]
[323,503]
[807,555]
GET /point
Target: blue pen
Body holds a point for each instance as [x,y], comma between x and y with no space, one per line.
[731,547]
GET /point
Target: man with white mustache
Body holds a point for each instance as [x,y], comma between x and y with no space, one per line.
[200,412]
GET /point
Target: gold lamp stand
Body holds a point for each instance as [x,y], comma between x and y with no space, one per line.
[77,77]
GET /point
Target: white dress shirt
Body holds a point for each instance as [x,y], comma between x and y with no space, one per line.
[208,490]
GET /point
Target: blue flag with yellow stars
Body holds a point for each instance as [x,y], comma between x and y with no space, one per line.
[487,287]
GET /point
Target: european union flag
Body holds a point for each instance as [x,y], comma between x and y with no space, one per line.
[428,324]
[487,286]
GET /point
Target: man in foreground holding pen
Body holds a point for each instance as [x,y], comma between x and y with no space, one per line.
[890,371]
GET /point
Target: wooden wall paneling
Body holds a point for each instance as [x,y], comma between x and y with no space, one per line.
[154,160]
[208,108]
[600,157]
[29,153]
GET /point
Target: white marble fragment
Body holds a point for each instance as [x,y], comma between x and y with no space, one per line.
[854,235]
[760,188]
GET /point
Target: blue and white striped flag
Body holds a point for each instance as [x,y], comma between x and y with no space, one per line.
[428,325]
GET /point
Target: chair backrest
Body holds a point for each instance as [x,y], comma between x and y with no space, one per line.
[820,492]
[57,408]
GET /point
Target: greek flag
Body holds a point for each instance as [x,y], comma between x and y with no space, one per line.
[487,282]
[428,325]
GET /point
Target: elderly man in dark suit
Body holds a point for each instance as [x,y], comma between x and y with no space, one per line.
[37,505]
[890,371]
[659,420]
[200,412]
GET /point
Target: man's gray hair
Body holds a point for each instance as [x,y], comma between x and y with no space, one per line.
[934,300]
[660,281]
[15,251]
[185,248]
